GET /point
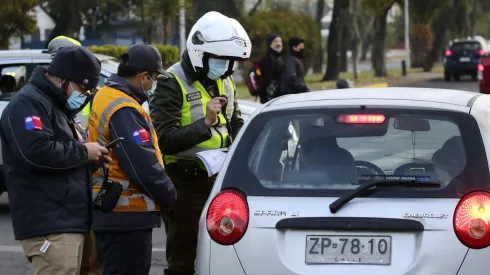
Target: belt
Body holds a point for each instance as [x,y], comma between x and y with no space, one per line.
[187,169]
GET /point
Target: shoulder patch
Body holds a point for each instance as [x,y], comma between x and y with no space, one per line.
[33,123]
[141,136]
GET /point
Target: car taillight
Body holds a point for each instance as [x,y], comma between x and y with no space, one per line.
[482,52]
[227,217]
[481,67]
[472,220]
[448,53]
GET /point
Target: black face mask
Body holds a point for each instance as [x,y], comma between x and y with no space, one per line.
[299,54]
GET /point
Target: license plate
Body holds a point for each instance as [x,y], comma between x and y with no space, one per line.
[464,59]
[365,250]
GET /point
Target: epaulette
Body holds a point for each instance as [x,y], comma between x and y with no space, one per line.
[165,76]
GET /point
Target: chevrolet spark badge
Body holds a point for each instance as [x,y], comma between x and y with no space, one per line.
[425,216]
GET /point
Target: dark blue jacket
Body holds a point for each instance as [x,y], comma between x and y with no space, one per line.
[46,164]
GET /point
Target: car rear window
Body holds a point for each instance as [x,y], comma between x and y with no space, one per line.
[314,153]
[466,46]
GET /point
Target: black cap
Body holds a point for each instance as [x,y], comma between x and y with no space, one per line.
[77,64]
[145,57]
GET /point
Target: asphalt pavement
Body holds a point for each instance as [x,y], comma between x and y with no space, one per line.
[13,261]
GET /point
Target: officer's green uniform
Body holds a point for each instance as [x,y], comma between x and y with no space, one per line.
[177,109]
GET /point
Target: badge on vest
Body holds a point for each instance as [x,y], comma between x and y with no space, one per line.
[194,96]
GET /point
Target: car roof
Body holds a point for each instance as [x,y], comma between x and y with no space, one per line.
[38,53]
[396,95]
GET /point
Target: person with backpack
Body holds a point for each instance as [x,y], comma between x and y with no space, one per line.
[271,66]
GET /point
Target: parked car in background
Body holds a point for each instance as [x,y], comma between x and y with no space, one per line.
[484,74]
[380,181]
[462,58]
[21,63]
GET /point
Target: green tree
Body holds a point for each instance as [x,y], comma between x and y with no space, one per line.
[379,9]
[15,19]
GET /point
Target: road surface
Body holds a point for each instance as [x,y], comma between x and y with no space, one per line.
[13,262]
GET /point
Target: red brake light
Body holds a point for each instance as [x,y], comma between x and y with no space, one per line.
[361,119]
[481,67]
[482,52]
[471,220]
[227,217]
[448,53]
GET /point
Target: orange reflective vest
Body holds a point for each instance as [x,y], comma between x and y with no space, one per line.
[106,102]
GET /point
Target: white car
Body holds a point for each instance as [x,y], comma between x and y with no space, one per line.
[379,181]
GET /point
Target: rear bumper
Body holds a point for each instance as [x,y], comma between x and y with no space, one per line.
[460,68]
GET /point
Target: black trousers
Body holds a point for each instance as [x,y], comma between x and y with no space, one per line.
[182,228]
[124,252]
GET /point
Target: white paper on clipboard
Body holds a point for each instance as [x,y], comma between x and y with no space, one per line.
[213,160]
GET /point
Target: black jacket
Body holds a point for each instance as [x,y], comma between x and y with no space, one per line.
[271,66]
[166,112]
[46,164]
[293,76]
[139,162]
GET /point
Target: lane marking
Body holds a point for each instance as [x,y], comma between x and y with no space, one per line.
[18,249]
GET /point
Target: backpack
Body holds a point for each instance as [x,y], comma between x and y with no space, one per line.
[254,79]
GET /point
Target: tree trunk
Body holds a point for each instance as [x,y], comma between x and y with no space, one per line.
[472,19]
[318,60]
[69,21]
[368,42]
[340,10]
[357,39]
[378,53]
[441,26]
[421,45]
[345,39]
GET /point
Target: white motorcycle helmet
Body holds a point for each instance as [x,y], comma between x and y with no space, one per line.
[217,36]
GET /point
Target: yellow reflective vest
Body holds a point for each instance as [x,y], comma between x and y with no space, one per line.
[195,97]
[106,102]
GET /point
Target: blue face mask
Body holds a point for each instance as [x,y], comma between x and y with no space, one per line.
[217,68]
[76,100]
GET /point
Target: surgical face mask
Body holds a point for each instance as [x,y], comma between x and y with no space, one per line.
[76,99]
[152,89]
[217,68]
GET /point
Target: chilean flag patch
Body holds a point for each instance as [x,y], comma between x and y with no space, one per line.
[33,123]
[141,136]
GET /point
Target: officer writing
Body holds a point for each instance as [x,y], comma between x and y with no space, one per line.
[124,236]
[192,110]
[47,165]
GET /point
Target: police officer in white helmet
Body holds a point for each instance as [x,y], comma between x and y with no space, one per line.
[193,110]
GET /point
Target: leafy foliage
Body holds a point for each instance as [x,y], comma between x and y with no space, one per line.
[15,18]
[287,25]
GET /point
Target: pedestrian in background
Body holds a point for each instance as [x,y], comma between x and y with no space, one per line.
[47,165]
[292,81]
[271,66]
[196,109]
[124,236]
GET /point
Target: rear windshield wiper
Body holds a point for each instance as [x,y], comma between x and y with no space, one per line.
[337,204]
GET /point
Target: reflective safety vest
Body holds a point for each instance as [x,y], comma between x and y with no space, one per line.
[195,97]
[106,102]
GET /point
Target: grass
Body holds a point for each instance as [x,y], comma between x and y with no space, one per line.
[314,81]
